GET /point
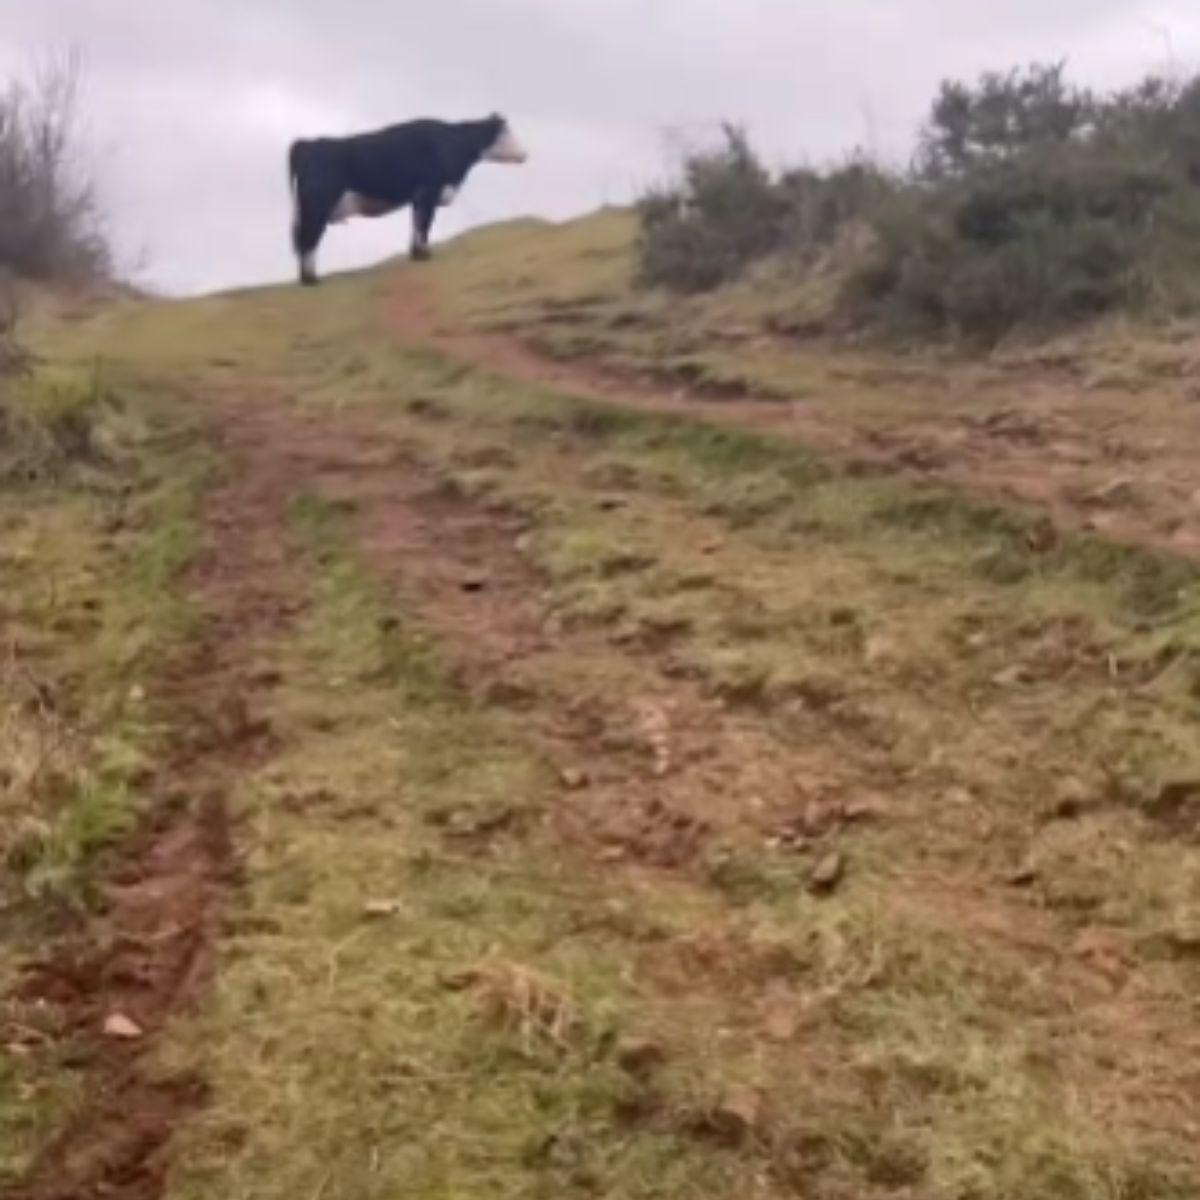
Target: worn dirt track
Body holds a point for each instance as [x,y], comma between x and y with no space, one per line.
[1094,459]
[149,954]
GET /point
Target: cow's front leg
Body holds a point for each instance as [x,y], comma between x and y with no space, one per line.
[424,208]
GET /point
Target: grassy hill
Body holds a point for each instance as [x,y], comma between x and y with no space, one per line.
[485,731]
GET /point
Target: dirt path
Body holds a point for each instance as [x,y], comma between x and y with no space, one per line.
[655,773]
[1120,460]
[148,955]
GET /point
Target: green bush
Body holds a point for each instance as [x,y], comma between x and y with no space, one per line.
[1032,204]
[726,214]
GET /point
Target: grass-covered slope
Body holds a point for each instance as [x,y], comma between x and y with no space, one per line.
[624,801]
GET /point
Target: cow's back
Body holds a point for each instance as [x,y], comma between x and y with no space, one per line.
[397,161]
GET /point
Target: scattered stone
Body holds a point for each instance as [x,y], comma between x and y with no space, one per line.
[780,1022]
[828,873]
[1114,494]
[461,980]
[1011,676]
[473,581]
[736,1115]
[1184,942]
[1105,952]
[612,503]
[879,650]
[1073,800]
[1174,798]
[1026,875]
[574,779]
[1042,536]
[640,1056]
[864,811]
[121,1028]
[378,909]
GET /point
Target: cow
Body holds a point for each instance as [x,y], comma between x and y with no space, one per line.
[422,163]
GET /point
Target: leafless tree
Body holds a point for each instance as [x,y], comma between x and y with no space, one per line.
[51,224]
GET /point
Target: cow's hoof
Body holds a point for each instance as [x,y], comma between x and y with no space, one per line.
[309,281]
[421,254]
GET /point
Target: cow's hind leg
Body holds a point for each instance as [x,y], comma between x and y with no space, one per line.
[424,207]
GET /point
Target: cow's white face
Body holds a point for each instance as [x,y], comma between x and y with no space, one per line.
[505,149]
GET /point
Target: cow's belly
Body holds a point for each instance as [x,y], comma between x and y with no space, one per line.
[354,204]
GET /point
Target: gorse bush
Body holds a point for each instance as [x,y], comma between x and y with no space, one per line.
[50,219]
[1031,204]
[729,210]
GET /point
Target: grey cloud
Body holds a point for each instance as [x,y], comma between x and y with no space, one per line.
[193,103]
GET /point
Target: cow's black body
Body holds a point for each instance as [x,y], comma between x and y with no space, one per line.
[419,163]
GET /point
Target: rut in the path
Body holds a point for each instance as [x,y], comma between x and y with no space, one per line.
[148,955]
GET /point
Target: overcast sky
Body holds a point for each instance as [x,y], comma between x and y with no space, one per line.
[192,103]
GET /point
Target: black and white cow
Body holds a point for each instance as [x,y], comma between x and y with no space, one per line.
[422,163]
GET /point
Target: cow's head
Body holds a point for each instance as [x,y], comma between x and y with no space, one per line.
[504,147]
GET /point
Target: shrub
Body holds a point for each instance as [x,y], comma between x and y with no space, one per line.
[1031,204]
[726,213]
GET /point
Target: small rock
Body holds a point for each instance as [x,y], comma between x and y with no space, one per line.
[1173,797]
[461,980]
[377,909]
[640,1056]
[1011,676]
[879,650]
[612,503]
[1184,942]
[1026,875]
[828,873]
[1105,952]
[473,581]
[780,1023]
[1072,800]
[1116,492]
[1042,536]
[122,1028]
[736,1115]
[864,811]
[574,779]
